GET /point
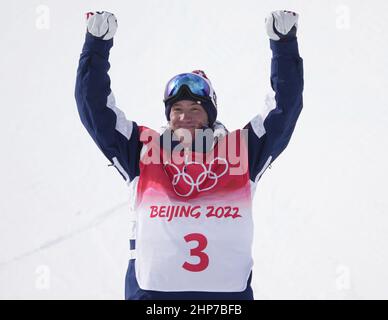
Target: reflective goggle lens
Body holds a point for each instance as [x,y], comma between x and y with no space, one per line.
[197,85]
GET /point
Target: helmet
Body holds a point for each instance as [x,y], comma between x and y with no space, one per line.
[191,86]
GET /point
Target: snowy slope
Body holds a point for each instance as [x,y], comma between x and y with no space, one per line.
[321,224]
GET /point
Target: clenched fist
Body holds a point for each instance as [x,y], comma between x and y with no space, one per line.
[281,24]
[101,24]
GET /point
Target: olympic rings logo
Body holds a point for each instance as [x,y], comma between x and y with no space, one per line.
[207,173]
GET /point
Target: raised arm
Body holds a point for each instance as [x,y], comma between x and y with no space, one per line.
[117,137]
[268,136]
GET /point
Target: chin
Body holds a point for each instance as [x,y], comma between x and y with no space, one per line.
[183,130]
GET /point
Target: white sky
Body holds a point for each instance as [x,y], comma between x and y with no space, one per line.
[321,224]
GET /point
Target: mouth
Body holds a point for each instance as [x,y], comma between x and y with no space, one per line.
[187,126]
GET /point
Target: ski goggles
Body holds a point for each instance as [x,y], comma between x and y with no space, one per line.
[198,86]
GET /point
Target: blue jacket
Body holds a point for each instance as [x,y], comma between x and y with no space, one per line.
[119,138]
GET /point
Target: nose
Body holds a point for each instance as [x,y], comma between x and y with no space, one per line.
[184,116]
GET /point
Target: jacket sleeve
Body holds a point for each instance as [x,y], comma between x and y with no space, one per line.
[268,136]
[117,137]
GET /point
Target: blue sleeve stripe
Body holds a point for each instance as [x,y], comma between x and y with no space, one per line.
[120,168]
[123,125]
[257,122]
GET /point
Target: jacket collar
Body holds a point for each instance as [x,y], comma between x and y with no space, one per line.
[218,131]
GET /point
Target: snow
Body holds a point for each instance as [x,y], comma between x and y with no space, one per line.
[321,224]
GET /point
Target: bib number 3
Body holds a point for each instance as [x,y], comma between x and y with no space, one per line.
[197,252]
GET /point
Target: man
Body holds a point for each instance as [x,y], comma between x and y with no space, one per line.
[191,200]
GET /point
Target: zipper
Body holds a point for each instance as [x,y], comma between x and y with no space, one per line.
[186,155]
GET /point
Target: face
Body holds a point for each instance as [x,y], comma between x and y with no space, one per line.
[187,115]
